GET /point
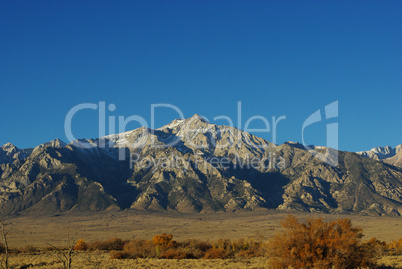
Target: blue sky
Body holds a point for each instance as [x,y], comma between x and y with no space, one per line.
[276,57]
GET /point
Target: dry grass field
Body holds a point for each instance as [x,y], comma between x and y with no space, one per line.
[101,260]
[39,231]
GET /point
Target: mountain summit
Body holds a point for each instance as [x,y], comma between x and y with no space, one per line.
[386,154]
[191,165]
[381,153]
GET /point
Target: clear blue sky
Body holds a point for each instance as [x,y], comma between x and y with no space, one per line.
[276,57]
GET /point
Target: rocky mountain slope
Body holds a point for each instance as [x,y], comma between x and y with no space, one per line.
[395,160]
[192,166]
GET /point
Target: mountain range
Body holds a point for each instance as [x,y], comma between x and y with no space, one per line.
[191,165]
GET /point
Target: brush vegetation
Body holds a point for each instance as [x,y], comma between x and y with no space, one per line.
[314,243]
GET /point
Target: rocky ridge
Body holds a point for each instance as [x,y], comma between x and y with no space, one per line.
[191,165]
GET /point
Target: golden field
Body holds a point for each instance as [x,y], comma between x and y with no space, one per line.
[40,231]
[102,260]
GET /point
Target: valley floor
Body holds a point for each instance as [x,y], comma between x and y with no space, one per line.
[98,260]
[40,231]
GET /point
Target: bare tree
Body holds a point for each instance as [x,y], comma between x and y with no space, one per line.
[65,257]
[4,233]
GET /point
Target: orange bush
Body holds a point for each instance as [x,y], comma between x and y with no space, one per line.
[196,244]
[81,245]
[194,248]
[222,244]
[319,244]
[118,254]
[162,240]
[248,248]
[139,248]
[218,253]
[395,247]
[377,246]
[173,254]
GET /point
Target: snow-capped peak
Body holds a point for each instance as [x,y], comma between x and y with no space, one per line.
[173,124]
[380,153]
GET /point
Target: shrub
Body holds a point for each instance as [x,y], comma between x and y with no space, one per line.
[378,247]
[221,249]
[395,247]
[222,244]
[139,248]
[27,249]
[162,240]
[118,254]
[218,253]
[196,244]
[110,244]
[48,248]
[174,254]
[172,244]
[81,245]
[248,248]
[195,248]
[246,254]
[318,244]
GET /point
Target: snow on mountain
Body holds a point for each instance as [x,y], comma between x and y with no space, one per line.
[176,171]
[380,153]
[193,134]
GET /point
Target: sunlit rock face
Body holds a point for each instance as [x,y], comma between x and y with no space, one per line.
[191,165]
